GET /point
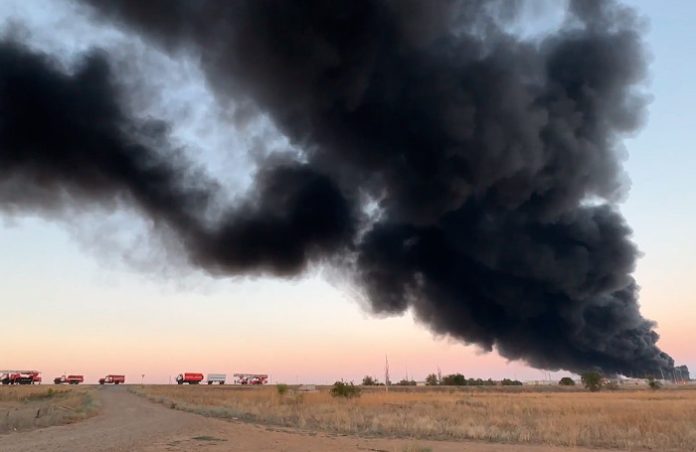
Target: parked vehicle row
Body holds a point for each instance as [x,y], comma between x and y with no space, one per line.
[25,377]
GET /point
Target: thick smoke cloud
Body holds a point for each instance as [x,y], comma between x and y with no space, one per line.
[494,161]
[64,139]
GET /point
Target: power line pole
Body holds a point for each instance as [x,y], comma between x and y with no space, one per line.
[386,373]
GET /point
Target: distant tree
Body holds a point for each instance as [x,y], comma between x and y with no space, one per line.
[566,381]
[431,380]
[654,384]
[454,380]
[405,382]
[508,382]
[369,381]
[592,381]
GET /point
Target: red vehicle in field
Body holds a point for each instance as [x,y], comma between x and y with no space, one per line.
[191,378]
[70,379]
[20,377]
[251,379]
[112,379]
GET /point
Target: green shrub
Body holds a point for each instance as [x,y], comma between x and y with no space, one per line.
[508,382]
[345,390]
[592,381]
[282,389]
[654,384]
[566,381]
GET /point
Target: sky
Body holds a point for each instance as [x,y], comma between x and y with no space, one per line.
[93,293]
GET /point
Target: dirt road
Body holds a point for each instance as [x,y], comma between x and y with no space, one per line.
[131,423]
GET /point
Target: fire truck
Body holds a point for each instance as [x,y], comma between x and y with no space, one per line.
[20,377]
[192,378]
[113,379]
[69,379]
[250,379]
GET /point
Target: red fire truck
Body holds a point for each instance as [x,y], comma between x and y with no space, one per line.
[69,379]
[191,378]
[113,379]
[20,377]
[250,379]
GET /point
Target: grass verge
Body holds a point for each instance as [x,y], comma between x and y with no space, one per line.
[29,407]
[641,419]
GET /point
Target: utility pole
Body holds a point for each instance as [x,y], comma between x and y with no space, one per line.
[386,373]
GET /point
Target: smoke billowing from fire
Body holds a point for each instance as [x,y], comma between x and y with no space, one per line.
[493,160]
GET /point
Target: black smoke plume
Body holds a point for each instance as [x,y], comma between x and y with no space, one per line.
[493,160]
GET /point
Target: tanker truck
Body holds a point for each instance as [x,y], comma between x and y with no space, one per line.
[192,378]
[69,379]
[112,379]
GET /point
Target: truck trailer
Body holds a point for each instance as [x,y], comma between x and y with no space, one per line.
[113,379]
[192,378]
[69,379]
[217,378]
[20,377]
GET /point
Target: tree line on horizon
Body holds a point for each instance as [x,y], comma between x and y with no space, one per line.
[456,379]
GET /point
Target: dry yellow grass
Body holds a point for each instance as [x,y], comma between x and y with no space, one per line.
[27,407]
[639,419]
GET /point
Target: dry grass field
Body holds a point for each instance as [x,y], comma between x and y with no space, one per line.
[626,419]
[28,407]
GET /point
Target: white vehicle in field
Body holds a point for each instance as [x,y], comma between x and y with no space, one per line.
[217,378]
